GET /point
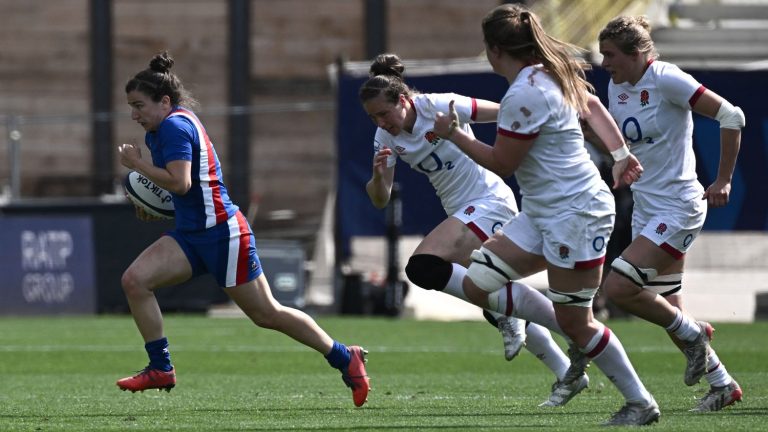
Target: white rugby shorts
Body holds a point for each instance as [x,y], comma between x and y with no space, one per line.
[671,224]
[485,217]
[574,238]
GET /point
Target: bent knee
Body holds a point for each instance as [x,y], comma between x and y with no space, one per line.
[267,318]
[132,283]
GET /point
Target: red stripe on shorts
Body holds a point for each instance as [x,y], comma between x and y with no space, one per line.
[586,265]
[478,232]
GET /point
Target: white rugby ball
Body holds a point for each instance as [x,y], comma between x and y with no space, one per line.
[144,193]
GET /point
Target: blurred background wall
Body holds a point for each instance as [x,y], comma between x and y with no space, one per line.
[269,69]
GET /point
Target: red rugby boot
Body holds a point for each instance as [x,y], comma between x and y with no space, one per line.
[149,379]
[355,376]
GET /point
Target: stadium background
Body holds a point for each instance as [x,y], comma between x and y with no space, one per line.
[287,100]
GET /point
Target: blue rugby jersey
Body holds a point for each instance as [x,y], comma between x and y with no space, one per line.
[181,136]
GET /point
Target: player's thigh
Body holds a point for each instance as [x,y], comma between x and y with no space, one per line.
[644,253]
[573,280]
[161,264]
[451,240]
[525,263]
[254,297]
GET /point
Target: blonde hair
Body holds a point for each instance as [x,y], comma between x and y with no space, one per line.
[630,34]
[517,31]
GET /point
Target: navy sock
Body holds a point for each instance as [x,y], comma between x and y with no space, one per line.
[339,356]
[159,357]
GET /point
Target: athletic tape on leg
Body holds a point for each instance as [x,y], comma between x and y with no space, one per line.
[640,276]
[488,271]
[581,298]
[666,285]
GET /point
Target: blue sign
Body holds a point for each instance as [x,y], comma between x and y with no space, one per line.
[47,265]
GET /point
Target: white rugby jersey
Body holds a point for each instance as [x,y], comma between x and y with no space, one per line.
[557,168]
[457,179]
[655,118]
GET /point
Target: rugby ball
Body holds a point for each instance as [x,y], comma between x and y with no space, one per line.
[144,193]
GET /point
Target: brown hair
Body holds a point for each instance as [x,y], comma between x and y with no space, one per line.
[517,31]
[386,76]
[631,34]
[158,81]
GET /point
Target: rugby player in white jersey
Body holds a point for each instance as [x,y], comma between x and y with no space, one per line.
[567,209]
[476,201]
[652,102]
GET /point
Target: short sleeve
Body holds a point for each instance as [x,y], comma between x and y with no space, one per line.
[523,111]
[176,136]
[678,87]
[466,107]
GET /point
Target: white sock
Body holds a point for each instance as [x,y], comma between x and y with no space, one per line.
[539,342]
[608,354]
[683,327]
[531,305]
[717,375]
[454,286]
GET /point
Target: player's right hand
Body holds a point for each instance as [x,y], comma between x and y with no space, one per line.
[380,161]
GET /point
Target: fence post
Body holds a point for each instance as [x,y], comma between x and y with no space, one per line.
[14,155]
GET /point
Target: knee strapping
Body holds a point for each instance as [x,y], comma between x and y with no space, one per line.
[666,285]
[429,271]
[640,276]
[581,298]
[488,271]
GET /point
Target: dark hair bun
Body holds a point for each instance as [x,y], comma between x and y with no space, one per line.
[387,64]
[161,63]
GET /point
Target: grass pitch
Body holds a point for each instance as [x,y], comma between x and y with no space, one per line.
[58,374]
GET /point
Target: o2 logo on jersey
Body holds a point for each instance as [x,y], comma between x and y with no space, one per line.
[432,138]
[644,96]
[438,164]
[634,136]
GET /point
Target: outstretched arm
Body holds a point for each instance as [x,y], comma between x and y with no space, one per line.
[503,157]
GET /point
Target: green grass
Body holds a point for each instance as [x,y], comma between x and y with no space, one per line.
[58,374]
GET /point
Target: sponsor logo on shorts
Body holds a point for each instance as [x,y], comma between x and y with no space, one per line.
[661,229]
[598,243]
[469,210]
[564,252]
[496,226]
[687,240]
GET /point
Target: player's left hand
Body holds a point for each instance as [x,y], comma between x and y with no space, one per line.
[718,193]
[626,171]
[129,155]
[446,124]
